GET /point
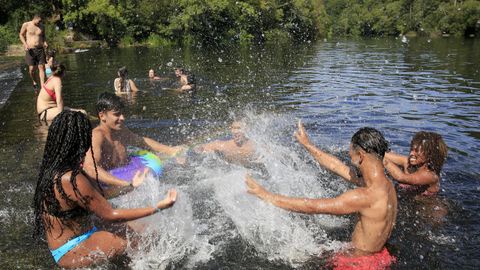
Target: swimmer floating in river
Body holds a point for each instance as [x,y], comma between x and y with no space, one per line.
[109,141]
[375,199]
[64,199]
[152,76]
[421,169]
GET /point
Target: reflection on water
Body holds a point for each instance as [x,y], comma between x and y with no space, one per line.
[335,87]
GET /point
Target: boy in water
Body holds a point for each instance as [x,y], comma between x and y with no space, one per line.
[375,200]
[239,149]
[421,169]
[109,141]
[187,83]
[152,76]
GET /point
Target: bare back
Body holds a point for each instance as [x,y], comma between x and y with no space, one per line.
[376,221]
[60,233]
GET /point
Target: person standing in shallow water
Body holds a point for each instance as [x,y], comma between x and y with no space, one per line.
[32,35]
[375,200]
[64,199]
[420,171]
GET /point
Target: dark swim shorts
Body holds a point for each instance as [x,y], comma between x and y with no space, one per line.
[35,56]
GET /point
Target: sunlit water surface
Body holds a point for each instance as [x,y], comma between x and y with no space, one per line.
[336,87]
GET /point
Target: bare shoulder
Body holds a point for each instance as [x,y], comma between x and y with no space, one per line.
[98,134]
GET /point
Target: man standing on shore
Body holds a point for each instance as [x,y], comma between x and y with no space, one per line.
[32,36]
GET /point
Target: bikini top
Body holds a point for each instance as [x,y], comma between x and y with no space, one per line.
[50,92]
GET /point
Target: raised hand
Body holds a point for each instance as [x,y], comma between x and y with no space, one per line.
[301,134]
[253,187]
[139,177]
[169,199]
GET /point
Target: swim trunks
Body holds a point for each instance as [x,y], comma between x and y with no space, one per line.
[71,244]
[35,56]
[376,261]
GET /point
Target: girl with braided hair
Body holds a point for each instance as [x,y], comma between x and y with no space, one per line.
[64,198]
[420,170]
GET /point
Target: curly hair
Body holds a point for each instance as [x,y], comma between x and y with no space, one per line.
[433,147]
[69,138]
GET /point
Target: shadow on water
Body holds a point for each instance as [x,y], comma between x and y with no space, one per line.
[336,87]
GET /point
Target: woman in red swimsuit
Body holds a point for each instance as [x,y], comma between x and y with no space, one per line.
[50,100]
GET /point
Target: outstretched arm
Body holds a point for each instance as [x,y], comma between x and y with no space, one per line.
[144,142]
[398,159]
[327,161]
[347,203]
[89,198]
[420,177]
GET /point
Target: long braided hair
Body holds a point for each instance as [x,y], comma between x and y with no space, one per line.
[69,138]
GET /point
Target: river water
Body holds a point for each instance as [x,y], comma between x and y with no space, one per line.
[335,87]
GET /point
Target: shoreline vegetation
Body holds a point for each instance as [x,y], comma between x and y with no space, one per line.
[72,24]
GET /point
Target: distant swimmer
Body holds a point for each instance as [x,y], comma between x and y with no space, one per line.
[123,84]
[32,35]
[186,79]
[238,149]
[65,199]
[109,145]
[152,76]
[50,97]
[419,171]
[375,200]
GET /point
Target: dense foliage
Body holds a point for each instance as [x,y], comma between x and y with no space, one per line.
[157,22]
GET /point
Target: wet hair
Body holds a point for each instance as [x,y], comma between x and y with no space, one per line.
[69,138]
[182,70]
[371,141]
[58,70]
[37,16]
[123,73]
[51,54]
[107,101]
[433,147]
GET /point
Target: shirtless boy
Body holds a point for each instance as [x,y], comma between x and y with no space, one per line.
[187,83]
[109,141]
[239,149]
[420,171]
[374,200]
[32,35]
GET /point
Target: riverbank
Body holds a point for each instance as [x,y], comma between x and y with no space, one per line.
[70,47]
